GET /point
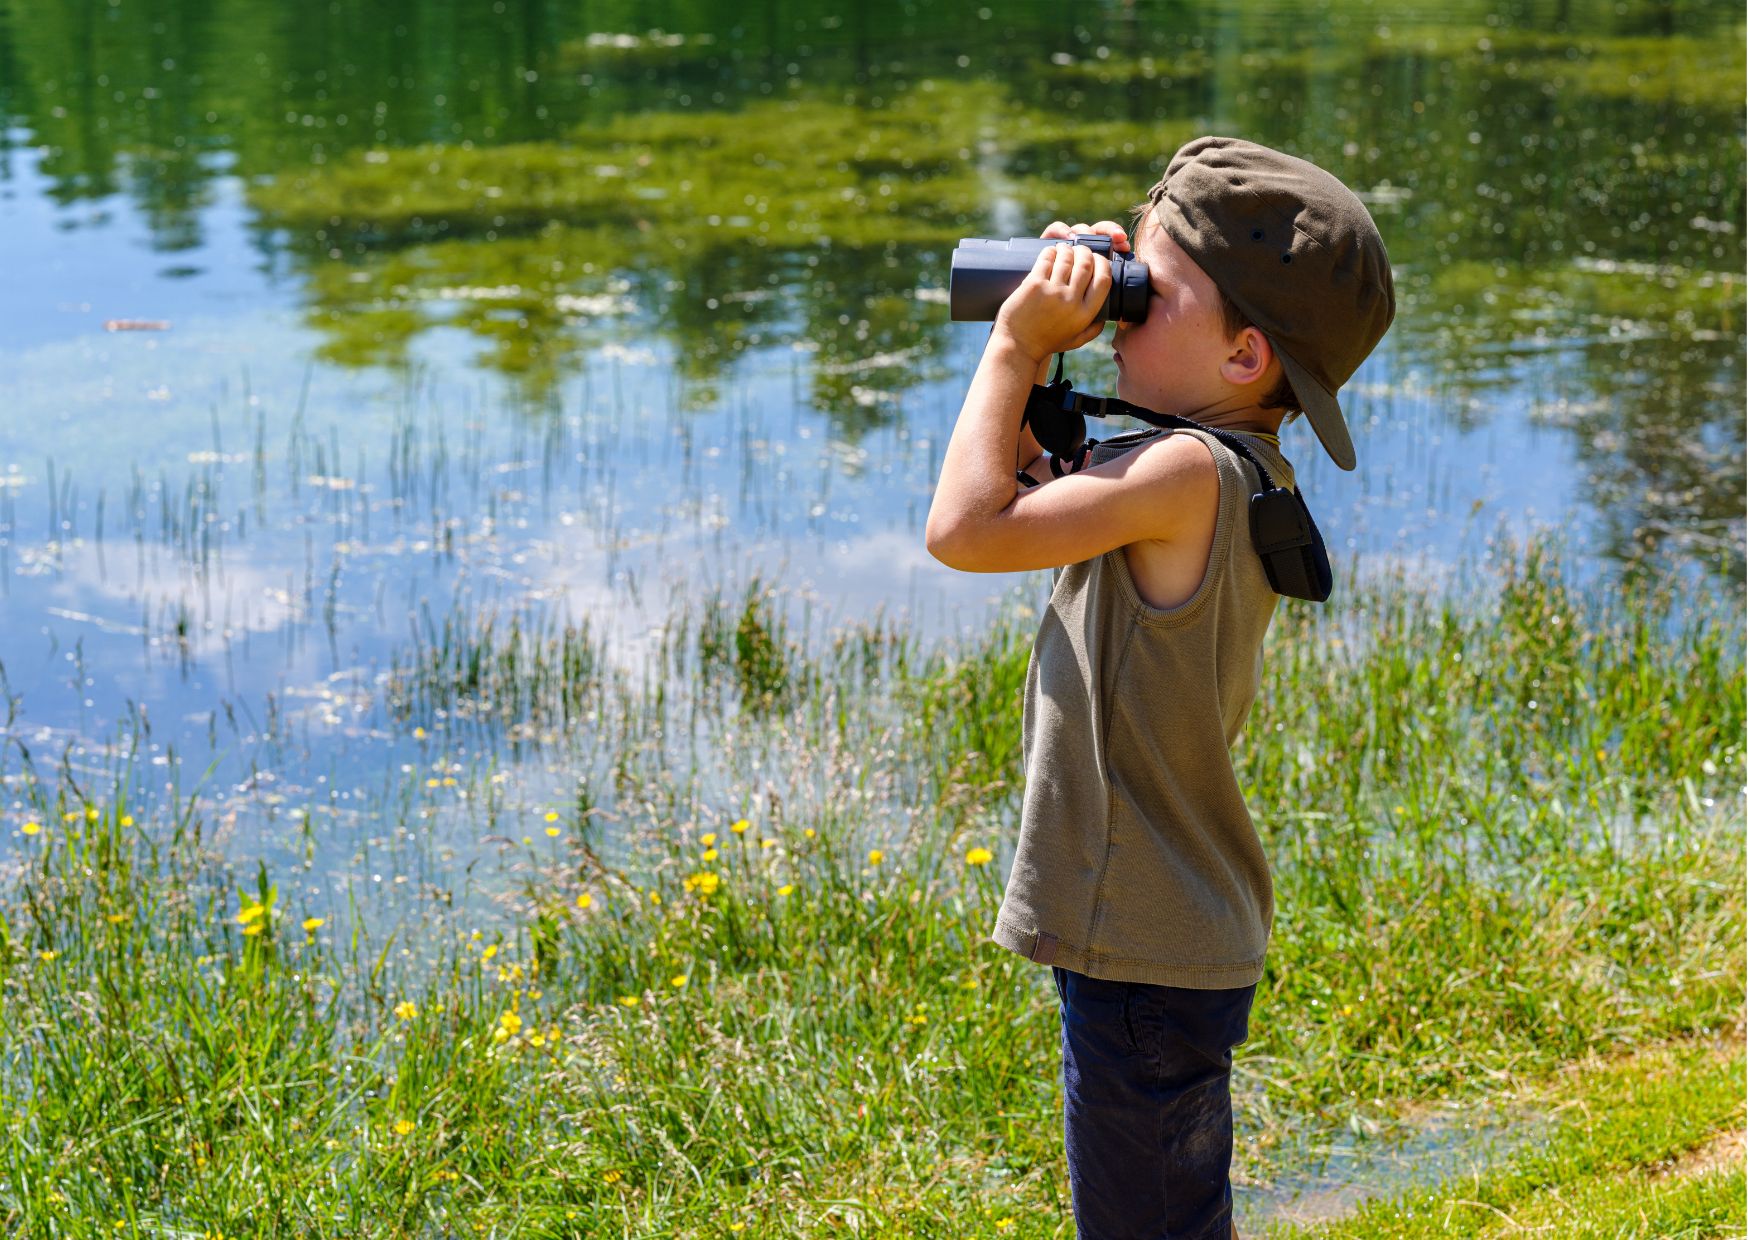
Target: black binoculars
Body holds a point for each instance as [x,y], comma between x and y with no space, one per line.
[986,271]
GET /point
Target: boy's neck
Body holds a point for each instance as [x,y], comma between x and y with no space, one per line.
[1251,420]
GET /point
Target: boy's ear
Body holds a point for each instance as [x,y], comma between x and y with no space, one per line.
[1250,357]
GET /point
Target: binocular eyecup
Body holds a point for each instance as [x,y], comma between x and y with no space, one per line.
[986,270]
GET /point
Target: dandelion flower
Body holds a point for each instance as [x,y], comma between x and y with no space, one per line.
[47,955]
[250,913]
[1003,1224]
[312,924]
[629,1000]
[740,827]
[69,816]
[552,831]
[978,856]
[612,1177]
[32,828]
[808,832]
[707,839]
[127,820]
[655,897]
[875,856]
[767,843]
[253,928]
[709,854]
[419,734]
[115,919]
[584,900]
[679,979]
[489,952]
[433,782]
[552,815]
[785,889]
[403,1126]
[90,813]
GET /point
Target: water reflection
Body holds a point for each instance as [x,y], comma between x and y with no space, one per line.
[682,291]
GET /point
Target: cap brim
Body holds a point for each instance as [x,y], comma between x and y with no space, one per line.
[1323,410]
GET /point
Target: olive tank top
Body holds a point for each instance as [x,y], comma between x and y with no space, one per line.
[1137,859]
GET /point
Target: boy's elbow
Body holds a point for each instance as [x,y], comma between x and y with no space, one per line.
[945,543]
[938,544]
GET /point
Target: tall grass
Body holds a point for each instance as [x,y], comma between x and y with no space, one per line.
[784,1013]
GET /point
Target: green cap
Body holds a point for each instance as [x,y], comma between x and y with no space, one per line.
[1294,249]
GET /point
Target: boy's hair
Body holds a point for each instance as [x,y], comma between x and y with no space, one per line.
[1234,320]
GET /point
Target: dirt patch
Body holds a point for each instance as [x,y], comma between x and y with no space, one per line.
[1723,1150]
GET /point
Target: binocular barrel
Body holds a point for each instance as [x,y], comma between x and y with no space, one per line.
[985,271]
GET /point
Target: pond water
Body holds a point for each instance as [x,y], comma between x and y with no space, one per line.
[322,324]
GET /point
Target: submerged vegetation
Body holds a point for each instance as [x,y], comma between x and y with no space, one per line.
[1503,842]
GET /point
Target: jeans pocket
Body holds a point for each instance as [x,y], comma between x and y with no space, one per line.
[1130,1017]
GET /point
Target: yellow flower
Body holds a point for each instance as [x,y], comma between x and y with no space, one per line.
[250,913]
[69,816]
[709,854]
[767,843]
[127,820]
[115,919]
[655,897]
[449,781]
[32,828]
[90,813]
[612,1177]
[312,924]
[629,1000]
[875,856]
[740,826]
[406,1009]
[419,734]
[552,815]
[489,952]
[48,955]
[737,1226]
[252,928]
[537,1040]
[1002,1224]
[808,832]
[785,889]
[552,831]
[707,839]
[403,1126]
[584,900]
[978,856]
[433,782]
[704,881]
[511,1022]
[679,979]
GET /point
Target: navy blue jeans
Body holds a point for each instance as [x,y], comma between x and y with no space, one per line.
[1146,1075]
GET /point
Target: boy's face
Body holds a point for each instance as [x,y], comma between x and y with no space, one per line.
[1179,360]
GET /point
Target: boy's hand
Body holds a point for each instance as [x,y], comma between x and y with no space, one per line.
[1059,306]
[1109,228]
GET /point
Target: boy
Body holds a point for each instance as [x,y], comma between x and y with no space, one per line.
[1138,876]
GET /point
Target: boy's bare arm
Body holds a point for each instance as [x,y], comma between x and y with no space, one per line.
[1055,309]
[1030,449]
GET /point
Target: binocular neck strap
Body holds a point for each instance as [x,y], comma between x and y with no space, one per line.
[1060,396]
